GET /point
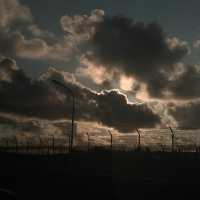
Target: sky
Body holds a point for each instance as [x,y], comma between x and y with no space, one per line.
[179,16]
[131,64]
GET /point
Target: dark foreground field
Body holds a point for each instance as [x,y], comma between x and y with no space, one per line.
[100,175]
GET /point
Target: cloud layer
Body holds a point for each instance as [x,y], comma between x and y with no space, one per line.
[187,114]
[19,94]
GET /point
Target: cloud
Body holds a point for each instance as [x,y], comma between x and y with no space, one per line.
[15,44]
[134,47]
[33,129]
[7,66]
[105,46]
[187,115]
[38,98]
[12,11]
[115,111]
[21,37]
[187,85]
[140,50]
[19,93]
[109,107]
[116,47]
[82,27]
[196,44]
[98,74]
[114,52]
[38,48]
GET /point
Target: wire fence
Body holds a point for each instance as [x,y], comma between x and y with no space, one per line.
[164,140]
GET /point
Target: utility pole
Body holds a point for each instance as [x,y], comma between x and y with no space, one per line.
[72,113]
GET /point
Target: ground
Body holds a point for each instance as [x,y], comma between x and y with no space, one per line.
[100,175]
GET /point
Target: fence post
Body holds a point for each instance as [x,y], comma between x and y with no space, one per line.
[139,138]
[172,137]
[111,139]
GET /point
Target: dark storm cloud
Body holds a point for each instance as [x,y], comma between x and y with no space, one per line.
[140,50]
[38,98]
[19,93]
[114,111]
[136,47]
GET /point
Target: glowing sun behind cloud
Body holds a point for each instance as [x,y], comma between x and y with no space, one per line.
[126,83]
[143,93]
